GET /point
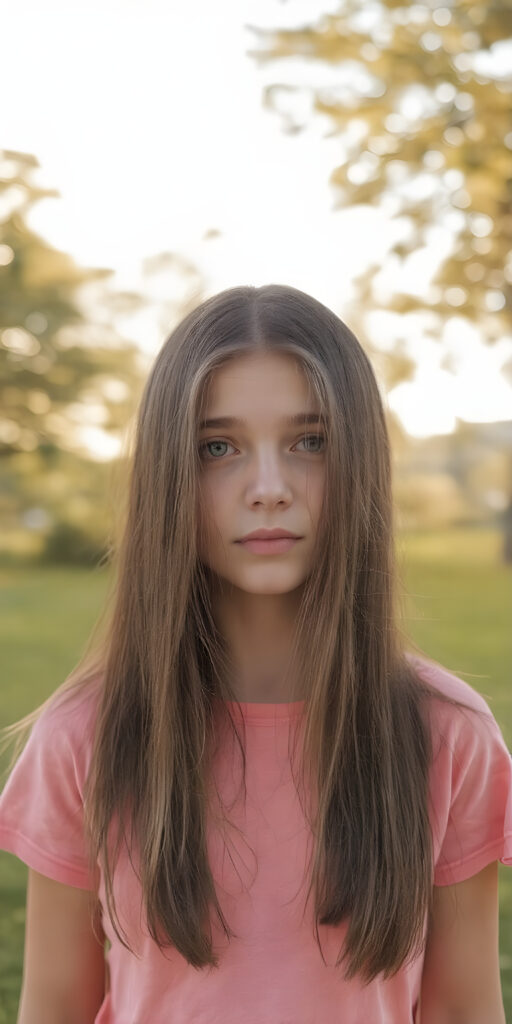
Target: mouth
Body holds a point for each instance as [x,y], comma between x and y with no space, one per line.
[269,546]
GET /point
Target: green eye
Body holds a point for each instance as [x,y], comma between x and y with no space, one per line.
[314,437]
[205,446]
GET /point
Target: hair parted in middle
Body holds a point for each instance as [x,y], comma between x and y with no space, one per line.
[160,670]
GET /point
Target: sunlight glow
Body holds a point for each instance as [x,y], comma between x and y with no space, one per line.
[148,161]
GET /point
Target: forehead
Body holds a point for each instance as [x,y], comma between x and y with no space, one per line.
[275,374]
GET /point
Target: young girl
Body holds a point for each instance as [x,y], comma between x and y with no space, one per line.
[251,802]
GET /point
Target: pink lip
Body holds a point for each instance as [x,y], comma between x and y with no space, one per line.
[267,535]
[269,546]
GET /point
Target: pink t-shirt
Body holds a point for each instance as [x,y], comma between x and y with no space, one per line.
[272,973]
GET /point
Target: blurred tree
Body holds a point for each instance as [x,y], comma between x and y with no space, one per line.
[59,371]
[421,100]
[63,372]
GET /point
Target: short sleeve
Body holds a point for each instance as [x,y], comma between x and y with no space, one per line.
[474,796]
[41,807]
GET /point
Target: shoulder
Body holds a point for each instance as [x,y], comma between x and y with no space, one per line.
[75,709]
[470,781]
[63,733]
[467,728]
[447,683]
[42,802]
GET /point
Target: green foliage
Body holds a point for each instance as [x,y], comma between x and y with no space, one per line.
[57,363]
[58,506]
[69,544]
[420,104]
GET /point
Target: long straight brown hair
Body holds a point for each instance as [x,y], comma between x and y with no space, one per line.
[159,665]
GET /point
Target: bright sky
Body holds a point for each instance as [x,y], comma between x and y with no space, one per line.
[148,118]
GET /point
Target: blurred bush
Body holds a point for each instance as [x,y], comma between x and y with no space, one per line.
[68,543]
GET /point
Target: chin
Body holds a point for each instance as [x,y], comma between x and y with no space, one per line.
[283,586]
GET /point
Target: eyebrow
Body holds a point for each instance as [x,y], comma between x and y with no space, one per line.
[232,421]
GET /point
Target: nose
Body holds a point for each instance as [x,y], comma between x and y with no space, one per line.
[269,483]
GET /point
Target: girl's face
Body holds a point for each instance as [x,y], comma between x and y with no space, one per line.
[263,471]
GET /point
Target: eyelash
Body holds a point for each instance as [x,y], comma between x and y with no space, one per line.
[219,440]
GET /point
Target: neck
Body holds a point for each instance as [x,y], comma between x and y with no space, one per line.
[259,630]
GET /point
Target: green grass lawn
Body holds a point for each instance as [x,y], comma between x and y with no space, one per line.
[457,608]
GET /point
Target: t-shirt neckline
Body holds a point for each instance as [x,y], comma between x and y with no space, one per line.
[253,710]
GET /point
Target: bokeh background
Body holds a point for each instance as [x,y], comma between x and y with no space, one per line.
[155,153]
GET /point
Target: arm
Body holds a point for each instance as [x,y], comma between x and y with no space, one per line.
[64,964]
[461,973]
